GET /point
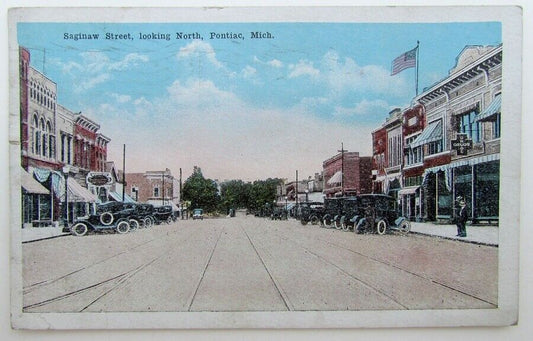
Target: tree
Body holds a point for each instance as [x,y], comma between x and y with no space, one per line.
[234,194]
[201,192]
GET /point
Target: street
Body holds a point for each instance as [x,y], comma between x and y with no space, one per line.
[255,264]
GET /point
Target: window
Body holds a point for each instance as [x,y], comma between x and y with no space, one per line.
[469,126]
[434,147]
[156,192]
[496,127]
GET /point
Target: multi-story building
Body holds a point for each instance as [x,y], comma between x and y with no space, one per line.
[387,155]
[414,122]
[461,143]
[347,173]
[58,150]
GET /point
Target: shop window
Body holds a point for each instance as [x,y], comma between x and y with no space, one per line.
[469,126]
[435,147]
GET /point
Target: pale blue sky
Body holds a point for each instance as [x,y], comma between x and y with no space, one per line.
[243,108]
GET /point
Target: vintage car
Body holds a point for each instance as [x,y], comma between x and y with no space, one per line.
[379,213]
[144,213]
[333,211]
[350,213]
[198,213]
[279,213]
[110,216]
[311,212]
[163,214]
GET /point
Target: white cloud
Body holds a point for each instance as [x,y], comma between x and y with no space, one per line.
[197,49]
[121,98]
[91,82]
[365,107]
[303,68]
[131,59]
[275,63]
[345,75]
[249,71]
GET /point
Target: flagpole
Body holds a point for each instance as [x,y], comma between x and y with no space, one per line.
[416,74]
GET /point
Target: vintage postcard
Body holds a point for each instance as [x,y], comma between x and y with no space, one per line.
[297,167]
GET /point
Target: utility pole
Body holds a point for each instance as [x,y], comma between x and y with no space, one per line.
[342,167]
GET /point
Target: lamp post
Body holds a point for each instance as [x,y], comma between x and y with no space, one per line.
[286,205]
[307,195]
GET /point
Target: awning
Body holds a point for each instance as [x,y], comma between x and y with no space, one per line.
[77,193]
[408,190]
[493,109]
[336,178]
[433,132]
[31,185]
[118,197]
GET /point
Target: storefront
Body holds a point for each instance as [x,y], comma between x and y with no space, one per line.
[36,208]
[476,180]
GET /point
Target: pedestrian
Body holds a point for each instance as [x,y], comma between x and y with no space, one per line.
[462,217]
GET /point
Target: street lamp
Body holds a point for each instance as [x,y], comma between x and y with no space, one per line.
[286,205]
[307,195]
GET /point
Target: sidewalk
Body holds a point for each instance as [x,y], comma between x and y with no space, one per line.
[32,234]
[484,235]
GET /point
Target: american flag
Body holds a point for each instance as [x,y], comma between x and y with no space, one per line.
[404,61]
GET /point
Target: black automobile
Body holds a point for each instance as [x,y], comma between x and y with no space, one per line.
[110,216]
[311,212]
[380,214]
[350,213]
[332,212]
[163,214]
[279,213]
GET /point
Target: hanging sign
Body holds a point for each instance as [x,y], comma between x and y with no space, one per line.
[462,144]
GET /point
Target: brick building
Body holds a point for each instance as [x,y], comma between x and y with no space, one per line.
[155,187]
[356,178]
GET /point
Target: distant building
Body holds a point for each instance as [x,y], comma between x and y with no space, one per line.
[356,178]
[154,187]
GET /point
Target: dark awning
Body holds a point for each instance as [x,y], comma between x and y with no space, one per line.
[493,109]
[433,132]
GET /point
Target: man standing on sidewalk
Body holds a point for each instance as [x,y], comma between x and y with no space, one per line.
[461,219]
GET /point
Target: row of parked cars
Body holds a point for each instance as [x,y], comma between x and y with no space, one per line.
[366,213]
[122,218]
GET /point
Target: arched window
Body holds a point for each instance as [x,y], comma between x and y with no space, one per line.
[51,140]
[34,135]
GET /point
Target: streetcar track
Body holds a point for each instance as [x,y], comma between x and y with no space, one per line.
[122,277]
[367,285]
[427,278]
[281,293]
[191,299]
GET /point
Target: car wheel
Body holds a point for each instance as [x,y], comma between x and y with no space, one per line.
[337,224]
[134,224]
[169,220]
[404,227]
[123,227]
[147,222]
[314,220]
[326,221]
[304,221]
[381,227]
[344,225]
[107,218]
[79,229]
[362,226]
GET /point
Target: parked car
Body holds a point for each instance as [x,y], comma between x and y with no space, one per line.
[311,212]
[111,216]
[333,212]
[279,213]
[162,214]
[380,214]
[198,213]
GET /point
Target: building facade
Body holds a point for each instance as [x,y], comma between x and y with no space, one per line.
[58,150]
[154,187]
[347,173]
[462,140]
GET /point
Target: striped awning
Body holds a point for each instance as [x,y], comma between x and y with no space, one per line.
[408,190]
[495,107]
[336,178]
[433,132]
[118,197]
[77,193]
[31,185]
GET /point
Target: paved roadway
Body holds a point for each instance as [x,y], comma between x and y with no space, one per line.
[255,264]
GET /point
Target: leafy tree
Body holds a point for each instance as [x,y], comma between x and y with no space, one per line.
[201,192]
[234,194]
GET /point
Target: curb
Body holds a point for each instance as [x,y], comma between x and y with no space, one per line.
[45,238]
[452,238]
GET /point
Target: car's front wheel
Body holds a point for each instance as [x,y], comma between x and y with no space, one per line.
[134,224]
[79,229]
[404,227]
